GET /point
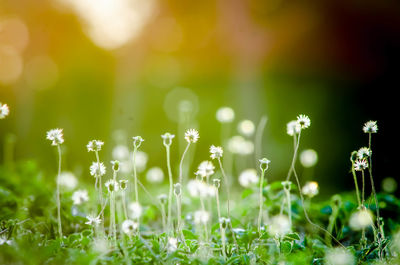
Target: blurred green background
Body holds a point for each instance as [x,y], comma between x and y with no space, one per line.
[94,67]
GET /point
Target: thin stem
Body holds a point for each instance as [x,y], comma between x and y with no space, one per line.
[171,187]
[100,185]
[220,225]
[135,174]
[178,227]
[289,203]
[356,185]
[259,134]
[163,217]
[226,185]
[205,224]
[181,164]
[363,189]
[260,201]
[124,204]
[296,148]
[58,193]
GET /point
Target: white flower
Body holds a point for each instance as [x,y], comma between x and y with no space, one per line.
[177,189]
[167,138]
[97,169]
[56,136]
[360,164]
[192,136]
[370,127]
[201,217]
[308,158]
[135,210]
[116,165]
[129,227]
[162,198]
[137,141]
[364,152]
[361,219]
[5,240]
[120,152]
[310,189]
[292,127]
[155,175]
[248,177]
[93,220]
[112,185]
[339,256]
[172,244]
[205,169]
[224,222]
[80,196]
[304,121]
[4,111]
[246,127]
[68,180]
[239,145]
[123,184]
[141,161]
[94,145]
[225,115]
[216,151]
[264,163]
[279,225]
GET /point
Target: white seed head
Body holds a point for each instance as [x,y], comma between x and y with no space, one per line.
[135,210]
[205,169]
[216,151]
[364,152]
[360,164]
[172,244]
[264,163]
[308,158]
[167,138]
[192,136]
[129,227]
[303,121]
[123,184]
[292,127]
[246,128]
[248,177]
[201,217]
[68,180]
[4,111]
[155,175]
[93,220]
[56,136]
[339,256]
[279,225]
[80,196]
[94,145]
[225,115]
[310,189]
[370,127]
[112,185]
[137,141]
[238,145]
[97,169]
[361,219]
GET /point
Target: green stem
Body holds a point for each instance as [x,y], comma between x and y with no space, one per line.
[58,193]
[356,185]
[296,148]
[227,187]
[171,187]
[260,201]
[220,225]
[181,164]
[163,217]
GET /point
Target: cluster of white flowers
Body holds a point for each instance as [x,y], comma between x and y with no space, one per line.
[225,115]
[310,189]
[239,145]
[129,227]
[94,145]
[205,169]
[4,111]
[201,217]
[216,151]
[248,177]
[135,210]
[308,158]
[361,219]
[55,136]
[370,127]
[295,126]
[97,169]
[192,136]
[199,188]
[80,196]
[155,175]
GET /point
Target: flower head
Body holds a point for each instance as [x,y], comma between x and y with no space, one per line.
[68,180]
[225,115]
[163,198]
[303,121]
[264,163]
[309,158]
[97,169]
[167,138]
[137,141]
[123,184]
[4,111]
[135,210]
[201,217]
[80,196]
[248,177]
[129,227]
[364,152]
[217,183]
[370,127]
[279,225]
[216,152]
[192,136]
[361,219]
[172,244]
[205,169]
[292,127]
[310,189]
[115,165]
[112,185]
[360,164]
[93,220]
[199,188]
[246,128]
[155,175]
[56,136]
[94,145]
[177,189]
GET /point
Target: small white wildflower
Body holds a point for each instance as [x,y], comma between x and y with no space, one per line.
[68,180]
[248,177]
[264,163]
[370,127]
[225,115]
[216,151]
[205,169]
[192,136]
[360,164]
[137,141]
[155,175]
[112,185]
[201,217]
[135,210]
[4,111]
[246,127]
[364,152]
[238,145]
[167,139]
[123,184]
[308,158]
[80,196]
[56,136]
[361,219]
[217,183]
[310,189]
[97,169]
[120,152]
[94,145]
[339,256]
[162,198]
[93,220]
[129,227]
[304,121]
[172,244]
[177,189]
[279,225]
[116,165]
[292,127]
[224,222]
[5,240]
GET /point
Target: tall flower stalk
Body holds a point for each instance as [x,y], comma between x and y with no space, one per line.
[57,138]
[137,141]
[163,200]
[264,163]
[286,187]
[167,142]
[191,136]
[353,158]
[217,184]
[178,196]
